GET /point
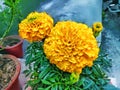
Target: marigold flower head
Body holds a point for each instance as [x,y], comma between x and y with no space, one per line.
[36,26]
[97,27]
[71,46]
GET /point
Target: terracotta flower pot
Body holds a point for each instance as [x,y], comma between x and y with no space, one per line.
[15,49]
[14,83]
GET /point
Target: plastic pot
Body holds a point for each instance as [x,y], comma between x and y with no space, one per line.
[16,49]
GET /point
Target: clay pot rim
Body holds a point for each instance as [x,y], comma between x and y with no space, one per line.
[16,36]
[17,71]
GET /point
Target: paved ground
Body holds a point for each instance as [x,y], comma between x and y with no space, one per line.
[22,77]
[111,43]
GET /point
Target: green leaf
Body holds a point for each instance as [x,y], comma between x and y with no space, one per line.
[9,4]
[33,82]
[52,75]
[73,88]
[35,74]
[60,87]
[67,88]
[44,72]
[95,87]
[55,87]
[87,71]
[28,59]
[41,89]
[102,81]
[81,81]
[48,88]
[96,72]
[46,82]
[27,72]
[47,76]
[88,85]
[52,80]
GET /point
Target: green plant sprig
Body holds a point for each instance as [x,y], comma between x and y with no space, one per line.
[46,76]
[12,4]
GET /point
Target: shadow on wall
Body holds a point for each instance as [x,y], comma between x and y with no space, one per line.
[86,11]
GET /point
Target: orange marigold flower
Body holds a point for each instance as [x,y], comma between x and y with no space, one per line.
[71,46]
[36,26]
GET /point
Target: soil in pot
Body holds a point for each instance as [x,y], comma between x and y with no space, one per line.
[7,70]
[13,45]
[10,42]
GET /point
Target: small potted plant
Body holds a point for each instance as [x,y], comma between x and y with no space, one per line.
[63,57]
[9,72]
[12,44]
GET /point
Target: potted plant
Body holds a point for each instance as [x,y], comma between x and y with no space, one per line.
[13,43]
[65,56]
[9,72]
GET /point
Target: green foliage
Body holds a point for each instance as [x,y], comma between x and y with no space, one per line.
[21,10]
[46,76]
[103,14]
[9,16]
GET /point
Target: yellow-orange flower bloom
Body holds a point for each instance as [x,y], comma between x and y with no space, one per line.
[36,26]
[71,46]
[97,27]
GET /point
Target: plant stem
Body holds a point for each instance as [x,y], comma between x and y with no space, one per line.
[10,25]
[11,22]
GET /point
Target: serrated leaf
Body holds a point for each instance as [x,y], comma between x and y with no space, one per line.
[95,87]
[48,88]
[35,74]
[41,89]
[46,82]
[95,72]
[88,85]
[98,69]
[55,87]
[67,88]
[73,88]
[47,76]
[33,82]
[52,75]
[92,77]
[102,81]
[26,71]
[80,82]
[9,4]
[87,71]
[28,59]
[52,80]
[44,72]
[60,87]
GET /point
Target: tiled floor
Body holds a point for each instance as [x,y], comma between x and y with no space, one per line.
[111,43]
[22,77]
